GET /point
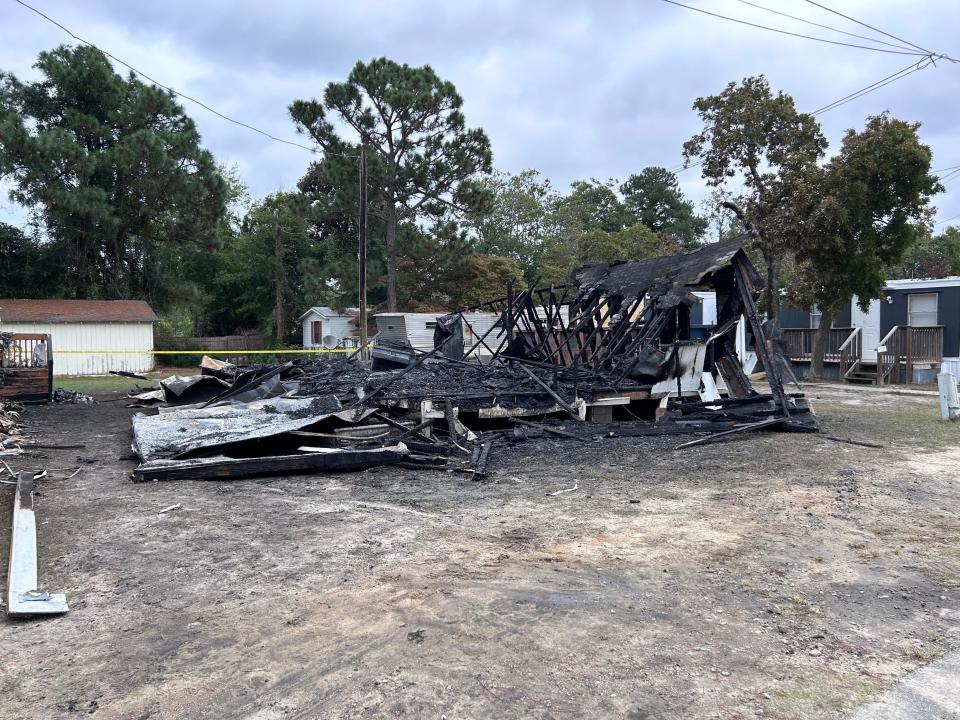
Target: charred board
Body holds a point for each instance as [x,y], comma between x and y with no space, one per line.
[222,468]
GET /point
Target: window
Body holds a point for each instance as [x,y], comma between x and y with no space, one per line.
[815,315]
[316,332]
[431,324]
[922,309]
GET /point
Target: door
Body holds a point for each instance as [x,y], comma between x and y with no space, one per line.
[869,324]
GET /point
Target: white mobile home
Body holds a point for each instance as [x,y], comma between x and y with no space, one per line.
[325,327]
[89,337]
[416,329]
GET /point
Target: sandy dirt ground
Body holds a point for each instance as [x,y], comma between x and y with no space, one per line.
[777,575]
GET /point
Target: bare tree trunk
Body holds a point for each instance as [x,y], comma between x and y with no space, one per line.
[391,256]
[772,302]
[820,337]
[279,319]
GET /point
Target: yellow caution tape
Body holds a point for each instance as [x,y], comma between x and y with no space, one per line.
[199,352]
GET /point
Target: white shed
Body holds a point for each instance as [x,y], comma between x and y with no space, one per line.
[325,327]
[89,337]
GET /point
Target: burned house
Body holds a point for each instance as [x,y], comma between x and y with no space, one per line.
[627,327]
[613,344]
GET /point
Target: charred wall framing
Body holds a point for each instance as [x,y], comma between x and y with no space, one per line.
[627,322]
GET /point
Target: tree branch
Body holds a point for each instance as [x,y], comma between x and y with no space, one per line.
[738,211]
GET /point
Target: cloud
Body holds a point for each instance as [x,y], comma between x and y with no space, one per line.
[575,90]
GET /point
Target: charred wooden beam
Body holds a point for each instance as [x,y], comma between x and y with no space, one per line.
[560,401]
[760,341]
[222,468]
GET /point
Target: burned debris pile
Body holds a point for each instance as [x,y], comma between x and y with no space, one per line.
[614,344]
[10,434]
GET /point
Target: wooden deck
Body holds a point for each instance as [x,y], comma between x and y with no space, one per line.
[26,368]
[904,349]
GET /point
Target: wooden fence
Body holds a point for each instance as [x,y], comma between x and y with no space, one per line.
[218,344]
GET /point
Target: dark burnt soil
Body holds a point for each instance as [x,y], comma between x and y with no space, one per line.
[777,575]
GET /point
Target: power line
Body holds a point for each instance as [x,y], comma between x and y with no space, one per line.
[882,32]
[900,74]
[170,89]
[949,176]
[793,34]
[941,222]
[825,27]
[952,167]
[681,168]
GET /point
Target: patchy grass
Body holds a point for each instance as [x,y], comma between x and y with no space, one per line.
[166,371]
[915,422]
[798,608]
[923,653]
[815,692]
[96,384]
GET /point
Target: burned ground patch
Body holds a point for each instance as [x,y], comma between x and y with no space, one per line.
[779,573]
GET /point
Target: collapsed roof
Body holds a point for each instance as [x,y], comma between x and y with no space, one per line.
[617,334]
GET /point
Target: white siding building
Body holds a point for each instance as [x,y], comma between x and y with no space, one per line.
[324,327]
[416,329]
[89,337]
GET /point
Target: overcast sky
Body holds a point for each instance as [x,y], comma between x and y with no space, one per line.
[574,89]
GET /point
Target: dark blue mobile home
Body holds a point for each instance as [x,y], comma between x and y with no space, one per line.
[906,336]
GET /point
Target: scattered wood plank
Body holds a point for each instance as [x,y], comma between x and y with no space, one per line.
[726,433]
[52,446]
[560,401]
[223,468]
[859,443]
[547,428]
[481,469]
[126,374]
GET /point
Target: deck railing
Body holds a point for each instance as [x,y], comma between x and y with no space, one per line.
[26,366]
[907,347]
[851,353]
[799,343]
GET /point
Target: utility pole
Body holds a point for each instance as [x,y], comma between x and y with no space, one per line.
[362,253]
[278,314]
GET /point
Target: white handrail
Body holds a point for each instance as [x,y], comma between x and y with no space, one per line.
[887,336]
[849,340]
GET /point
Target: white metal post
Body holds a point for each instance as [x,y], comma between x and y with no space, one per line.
[949,405]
